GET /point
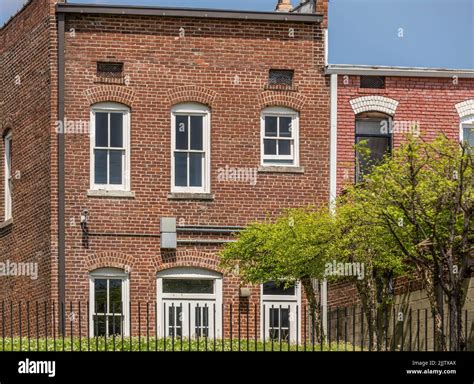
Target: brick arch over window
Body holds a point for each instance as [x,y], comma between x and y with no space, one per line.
[109,259]
[191,93]
[187,258]
[280,99]
[5,126]
[115,93]
[374,104]
[465,108]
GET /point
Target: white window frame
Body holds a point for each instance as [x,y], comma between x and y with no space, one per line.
[466,122]
[189,273]
[284,301]
[116,274]
[8,176]
[108,107]
[295,129]
[193,109]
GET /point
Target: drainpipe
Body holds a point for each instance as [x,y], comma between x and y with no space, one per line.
[61,177]
[332,181]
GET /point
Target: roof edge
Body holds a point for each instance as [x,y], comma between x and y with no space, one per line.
[368,70]
[186,12]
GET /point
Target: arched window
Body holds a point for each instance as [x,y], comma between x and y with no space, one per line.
[191,147]
[279,137]
[110,147]
[374,134]
[109,302]
[7,150]
[189,303]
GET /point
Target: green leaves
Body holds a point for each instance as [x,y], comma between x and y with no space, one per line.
[295,245]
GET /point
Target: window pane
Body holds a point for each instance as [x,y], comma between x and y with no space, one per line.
[100,294]
[115,296]
[100,166]
[181,169]
[271,126]
[115,325]
[175,321]
[272,288]
[188,286]
[468,136]
[181,132]
[116,130]
[371,127]
[195,169]
[285,317]
[269,147]
[99,325]
[116,167]
[274,318]
[196,132]
[101,129]
[284,147]
[285,127]
[378,147]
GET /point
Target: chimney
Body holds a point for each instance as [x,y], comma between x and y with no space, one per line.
[284,6]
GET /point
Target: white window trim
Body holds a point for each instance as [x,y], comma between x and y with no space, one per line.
[110,273]
[282,300]
[111,107]
[466,122]
[8,176]
[194,109]
[295,125]
[189,273]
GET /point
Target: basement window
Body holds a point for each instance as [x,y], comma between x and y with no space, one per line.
[374,82]
[110,70]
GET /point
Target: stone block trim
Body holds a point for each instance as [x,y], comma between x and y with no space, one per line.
[281,99]
[374,104]
[116,93]
[191,93]
[465,108]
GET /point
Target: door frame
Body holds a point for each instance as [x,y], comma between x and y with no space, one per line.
[282,300]
[189,273]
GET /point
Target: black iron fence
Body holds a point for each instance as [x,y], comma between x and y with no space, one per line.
[197,326]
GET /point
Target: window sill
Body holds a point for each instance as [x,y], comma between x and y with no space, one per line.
[280,169]
[6,223]
[190,196]
[106,193]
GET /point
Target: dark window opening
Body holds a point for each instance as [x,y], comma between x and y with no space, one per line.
[279,288]
[374,141]
[377,82]
[280,78]
[110,70]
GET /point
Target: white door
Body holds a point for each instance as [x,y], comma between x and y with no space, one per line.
[189,303]
[280,321]
[281,317]
[185,318]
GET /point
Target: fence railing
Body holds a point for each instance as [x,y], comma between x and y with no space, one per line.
[207,326]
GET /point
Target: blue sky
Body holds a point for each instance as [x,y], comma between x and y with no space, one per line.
[421,33]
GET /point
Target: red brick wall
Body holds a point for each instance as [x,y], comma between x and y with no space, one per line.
[430,101]
[25,111]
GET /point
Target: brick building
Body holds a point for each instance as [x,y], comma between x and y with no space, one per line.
[116,117]
[381,105]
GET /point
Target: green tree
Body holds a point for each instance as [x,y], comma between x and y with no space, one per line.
[362,243]
[294,247]
[422,199]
